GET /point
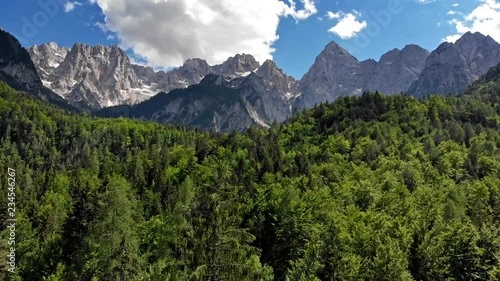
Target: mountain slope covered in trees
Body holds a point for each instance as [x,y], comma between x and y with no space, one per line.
[367,188]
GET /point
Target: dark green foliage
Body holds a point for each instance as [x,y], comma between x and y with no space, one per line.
[367,188]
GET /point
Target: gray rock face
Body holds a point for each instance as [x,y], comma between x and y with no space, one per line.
[397,70]
[240,92]
[17,70]
[271,92]
[97,77]
[191,72]
[220,103]
[47,57]
[213,104]
[452,67]
[480,52]
[335,73]
[237,66]
[146,74]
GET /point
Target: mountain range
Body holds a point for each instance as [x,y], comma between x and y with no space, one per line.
[97,77]
[451,68]
[240,92]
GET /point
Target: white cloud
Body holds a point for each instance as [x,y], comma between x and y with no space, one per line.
[167,32]
[452,38]
[308,10]
[425,1]
[348,25]
[456,5]
[332,15]
[485,19]
[102,26]
[70,6]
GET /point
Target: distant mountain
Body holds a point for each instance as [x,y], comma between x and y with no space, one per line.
[17,70]
[237,66]
[200,95]
[191,72]
[397,70]
[452,67]
[47,57]
[337,73]
[220,103]
[90,76]
[102,76]
[211,104]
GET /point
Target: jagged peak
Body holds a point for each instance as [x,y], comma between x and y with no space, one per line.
[333,45]
[390,54]
[268,68]
[195,63]
[213,79]
[241,59]
[81,46]
[469,36]
[444,46]
[336,50]
[52,44]
[268,64]
[413,47]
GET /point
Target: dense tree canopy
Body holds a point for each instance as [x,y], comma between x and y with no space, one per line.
[367,188]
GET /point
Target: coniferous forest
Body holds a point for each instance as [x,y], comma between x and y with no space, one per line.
[366,188]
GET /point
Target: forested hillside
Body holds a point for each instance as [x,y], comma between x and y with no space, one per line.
[369,188]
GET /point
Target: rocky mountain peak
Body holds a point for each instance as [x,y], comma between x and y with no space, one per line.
[334,51]
[239,65]
[413,48]
[18,70]
[96,76]
[452,67]
[15,62]
[334,47]
[195,63]
[334,73]
[213,79]
[333,59]
[469,36]
[47,57]
[396,70]
[269,68]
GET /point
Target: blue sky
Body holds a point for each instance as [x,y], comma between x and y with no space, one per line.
[165,34]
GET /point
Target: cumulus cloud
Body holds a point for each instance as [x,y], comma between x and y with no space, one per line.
[70,6]
[485,19]
[167,32]
[348,25]
[331,15]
